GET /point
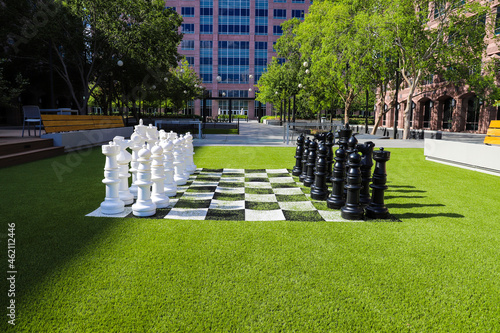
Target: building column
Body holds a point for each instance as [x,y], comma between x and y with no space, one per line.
[437,115]
[459,116]
[486,114]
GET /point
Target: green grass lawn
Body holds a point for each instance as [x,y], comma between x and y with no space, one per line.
[436,271]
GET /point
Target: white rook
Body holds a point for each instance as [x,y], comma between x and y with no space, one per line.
[112,203]
[144,206]
[158,177]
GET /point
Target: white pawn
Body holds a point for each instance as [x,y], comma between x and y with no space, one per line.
[191,167]
[135,145]
[112,203]
[144,206]
[123,160]
[158,177]
[168,164]
[179,165]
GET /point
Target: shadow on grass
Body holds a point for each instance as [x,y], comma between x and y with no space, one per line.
[387,197]
[412,205]
[405,191]
[427,215]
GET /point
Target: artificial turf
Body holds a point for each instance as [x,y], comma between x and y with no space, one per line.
[436,271]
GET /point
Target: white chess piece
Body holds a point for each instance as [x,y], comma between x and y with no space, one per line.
[135,145]
[152,135]
[191,167]
[112,203]
[168,163]
[123,160]
[158,176]
[141,130]
[185,158]
[144,206]
[179,166]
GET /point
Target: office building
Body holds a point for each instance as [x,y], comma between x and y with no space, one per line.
[229,43]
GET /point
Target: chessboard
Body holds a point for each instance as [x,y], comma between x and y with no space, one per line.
[241,195]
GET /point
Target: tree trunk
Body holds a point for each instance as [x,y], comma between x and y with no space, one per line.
[408,109]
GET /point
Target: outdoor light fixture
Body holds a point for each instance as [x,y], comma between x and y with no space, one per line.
[120,63]
[250,76]
[276,93]
[185,92]
[153,87]
[223,94]
[165,79]
[250,89]
[300,85]
[308,71]
[219,79]
[305,64]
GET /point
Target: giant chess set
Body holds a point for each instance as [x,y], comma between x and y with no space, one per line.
[166,184]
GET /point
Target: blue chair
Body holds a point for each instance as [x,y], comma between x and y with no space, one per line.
[31,114]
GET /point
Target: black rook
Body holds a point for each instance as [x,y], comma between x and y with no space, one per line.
[377,209]
[352,209]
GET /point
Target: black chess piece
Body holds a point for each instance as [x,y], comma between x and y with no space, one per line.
[319,190]
[352,209]
[366,151]
[311,163]
[336,199]
[344,135]
[376,209]
[329,155]
[297,169]
[305,154]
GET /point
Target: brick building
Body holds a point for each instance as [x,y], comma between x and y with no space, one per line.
[439,105]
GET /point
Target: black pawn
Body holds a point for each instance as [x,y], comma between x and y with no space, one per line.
[352,209]
[366,151]
[336,199]
[311,162]
[319,189]
[305,154]
[377,209]
[297,169]
[329,155]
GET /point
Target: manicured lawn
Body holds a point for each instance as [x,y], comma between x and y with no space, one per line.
[438,270]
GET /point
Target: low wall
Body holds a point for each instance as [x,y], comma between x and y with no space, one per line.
[478,157]
[83,139]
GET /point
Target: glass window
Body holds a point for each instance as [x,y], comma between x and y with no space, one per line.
[187,45]
[187,11]
[187,28]
[280,1]
[279,14]
[298,13]
[190,61]
[233,61]
[277,30]
[206,17]
[497,22]
[234,17]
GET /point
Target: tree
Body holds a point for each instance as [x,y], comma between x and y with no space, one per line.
[437,37]
[333,38]
[88,38]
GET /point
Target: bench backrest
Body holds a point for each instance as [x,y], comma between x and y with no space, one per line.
[493,134]
[63,123]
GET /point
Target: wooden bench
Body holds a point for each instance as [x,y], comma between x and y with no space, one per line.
[64,123]
[493,134]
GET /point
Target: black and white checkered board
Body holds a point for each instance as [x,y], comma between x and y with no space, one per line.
[242,195]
